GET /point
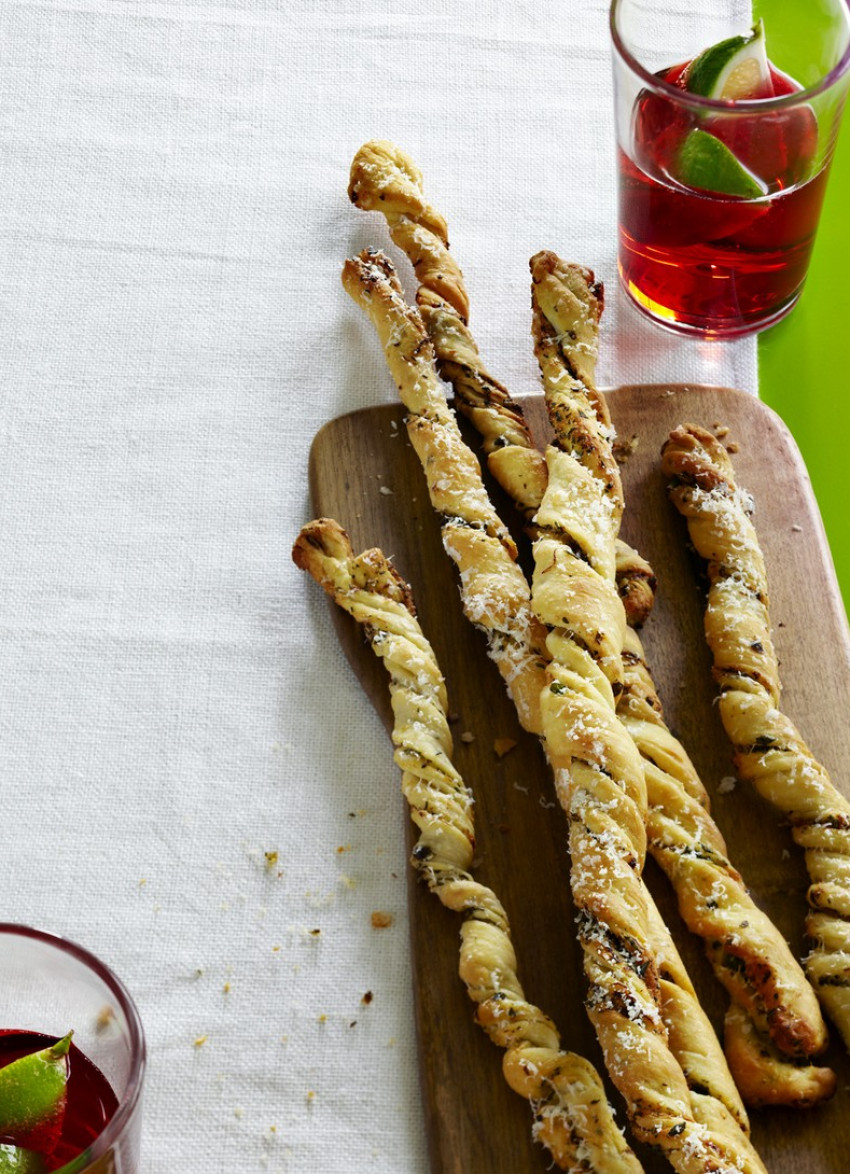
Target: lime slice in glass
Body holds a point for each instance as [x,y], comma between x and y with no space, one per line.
[19,1161]
[732,70]
[704,162]
[33,1090]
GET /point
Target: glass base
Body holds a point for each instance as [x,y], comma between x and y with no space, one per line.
[708,328]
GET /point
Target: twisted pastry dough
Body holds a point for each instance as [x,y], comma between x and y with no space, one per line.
[768,749]
[385,179]
[494,591]
[599,773]
[572,1117]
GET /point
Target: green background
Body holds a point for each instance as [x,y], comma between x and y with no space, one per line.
[803,361]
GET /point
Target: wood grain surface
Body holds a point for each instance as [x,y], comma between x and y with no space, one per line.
[475,1123]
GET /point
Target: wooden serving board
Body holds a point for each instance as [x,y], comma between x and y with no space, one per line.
[476,1125]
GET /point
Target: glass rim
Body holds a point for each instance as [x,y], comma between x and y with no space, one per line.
[138,1052]
[742,106]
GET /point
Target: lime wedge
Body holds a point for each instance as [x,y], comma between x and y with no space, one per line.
[33,1089]
[732,70]
[18,1161]
[704,162]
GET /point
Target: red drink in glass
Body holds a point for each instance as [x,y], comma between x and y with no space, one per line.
[703,260]
[722,162]
[89,1107]
[85,1117]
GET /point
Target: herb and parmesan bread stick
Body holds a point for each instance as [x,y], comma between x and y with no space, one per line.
[572,1118]
[634,974]
[494,591]
[769,751]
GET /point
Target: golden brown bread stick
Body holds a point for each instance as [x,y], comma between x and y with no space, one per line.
[494,591]
[769,751]
[572,1117]
[600,774]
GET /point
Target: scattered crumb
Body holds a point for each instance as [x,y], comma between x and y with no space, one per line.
[796,528]
[271,861]
[311,1096]
[786,855]
[143,882]
[367,998]
[314,933]
[105,1017]
[226,988]
[721,430]
[623,449]
[467,737]
[239,1112]
[503,746]
[381,920]
[520,787]
[201,1040]
[732,447]
[323,1018]
[726,784]
[387,492]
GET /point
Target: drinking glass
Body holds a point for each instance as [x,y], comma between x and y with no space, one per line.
[50,985]
[720,194]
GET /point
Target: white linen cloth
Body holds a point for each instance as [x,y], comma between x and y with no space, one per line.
[172,334]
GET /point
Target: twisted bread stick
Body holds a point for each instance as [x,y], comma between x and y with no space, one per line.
[599,772]
[494,591]
[769,751]
[572,1117]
